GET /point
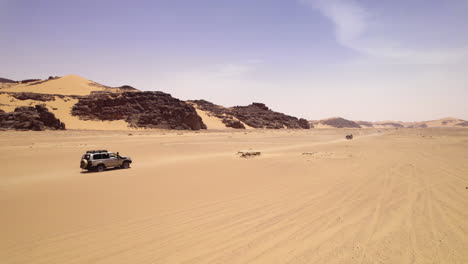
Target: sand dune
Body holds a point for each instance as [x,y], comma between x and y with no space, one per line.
[392,197]
[66,85]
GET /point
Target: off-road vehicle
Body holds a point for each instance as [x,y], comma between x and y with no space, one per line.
[99,160]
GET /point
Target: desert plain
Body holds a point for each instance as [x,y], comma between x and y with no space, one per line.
[387,196]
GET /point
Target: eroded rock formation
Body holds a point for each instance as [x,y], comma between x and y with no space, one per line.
[36,118]
[139,109]
[256,115]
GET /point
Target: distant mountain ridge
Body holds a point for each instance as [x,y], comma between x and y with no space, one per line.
[338,122]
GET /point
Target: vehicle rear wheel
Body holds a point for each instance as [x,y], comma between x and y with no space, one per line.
[100,168]
[125,165]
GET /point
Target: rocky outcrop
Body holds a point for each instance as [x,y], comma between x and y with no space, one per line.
[33,96]
[139,109]
[4,80]
[339,122]
[128,88]
[231,122]
[30,80]
[36,118]
[256,115]
[464,124]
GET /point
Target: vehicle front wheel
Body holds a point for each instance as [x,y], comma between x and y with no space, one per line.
[125,165]
[100,168]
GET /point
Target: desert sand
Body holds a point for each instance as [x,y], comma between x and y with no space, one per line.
[67,85]
[394,196]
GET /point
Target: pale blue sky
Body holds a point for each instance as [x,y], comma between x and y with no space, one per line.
[366,60]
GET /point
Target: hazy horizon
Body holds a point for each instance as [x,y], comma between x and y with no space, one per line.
[361,60]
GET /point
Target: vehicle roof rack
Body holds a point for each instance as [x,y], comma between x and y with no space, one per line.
[96,151]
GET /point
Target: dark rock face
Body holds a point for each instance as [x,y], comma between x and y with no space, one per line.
[231,122]
[256,115]
[305,124]
[33,96]
[4,80]
[36,118]
[139,109]
[30,80]
[339,122]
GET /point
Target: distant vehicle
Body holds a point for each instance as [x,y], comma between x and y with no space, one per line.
[349,137]
[99,160]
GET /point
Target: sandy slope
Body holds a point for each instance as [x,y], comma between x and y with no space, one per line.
[394,197]
[66,85]
[214,123]
[444,122]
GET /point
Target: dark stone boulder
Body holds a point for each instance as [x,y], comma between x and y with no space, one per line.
[36,118]
[231,122]
[304,123]
[139,109]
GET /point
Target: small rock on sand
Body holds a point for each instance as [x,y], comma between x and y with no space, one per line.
[249,153]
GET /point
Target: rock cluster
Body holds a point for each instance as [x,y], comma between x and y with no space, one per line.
[256,115]
[36,118]
[339,122]
[33,96]
[5,80]
[139,109]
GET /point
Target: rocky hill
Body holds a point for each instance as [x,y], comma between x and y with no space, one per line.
[4,80]
[335,122]
[139,110]
[255,115]
[30,118]
[84,104]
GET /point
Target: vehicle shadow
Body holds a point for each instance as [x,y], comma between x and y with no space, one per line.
[105,170]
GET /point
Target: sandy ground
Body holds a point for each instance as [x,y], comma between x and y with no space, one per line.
[311,197]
